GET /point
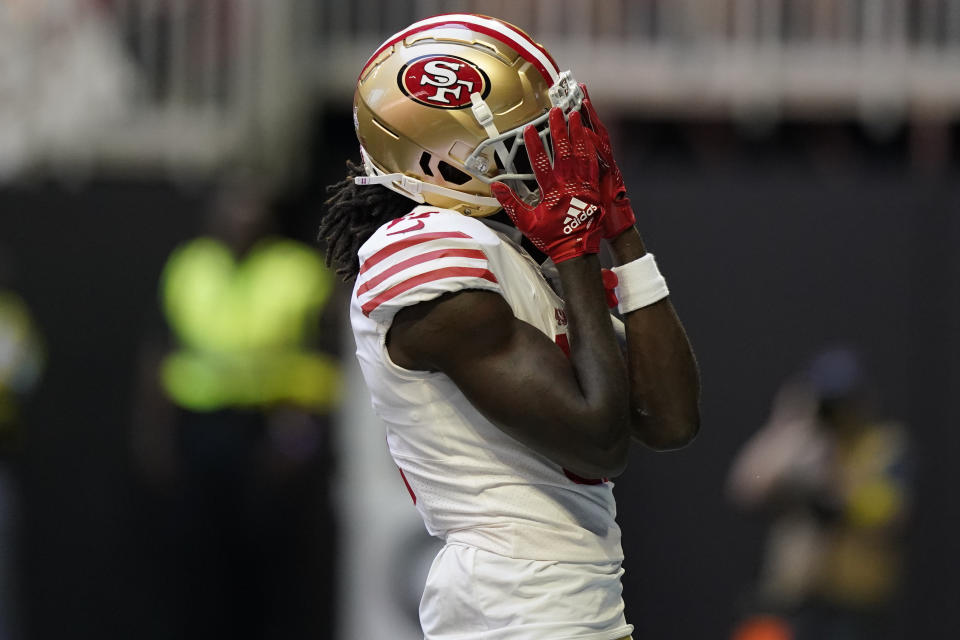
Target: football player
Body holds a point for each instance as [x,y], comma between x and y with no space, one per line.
[508,402]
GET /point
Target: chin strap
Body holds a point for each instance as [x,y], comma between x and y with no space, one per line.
[484,116]
[413,188]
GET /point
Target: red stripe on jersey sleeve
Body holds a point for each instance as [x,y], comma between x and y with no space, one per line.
[410,241]
[429,276]
[420,259]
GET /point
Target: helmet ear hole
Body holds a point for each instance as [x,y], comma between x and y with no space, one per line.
[425,164]
[453,175]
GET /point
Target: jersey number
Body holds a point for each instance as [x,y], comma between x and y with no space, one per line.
[416,226]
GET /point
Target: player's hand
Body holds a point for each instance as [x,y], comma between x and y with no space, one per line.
[566,223]
[619,214]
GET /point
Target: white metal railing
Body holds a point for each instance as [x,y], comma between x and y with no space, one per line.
[713,58]
[139,84]
[218,79]
[195,84]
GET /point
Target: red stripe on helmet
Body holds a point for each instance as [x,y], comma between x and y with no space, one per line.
[517,30]
[517,46]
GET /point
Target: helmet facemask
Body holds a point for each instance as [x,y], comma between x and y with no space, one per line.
[508,149]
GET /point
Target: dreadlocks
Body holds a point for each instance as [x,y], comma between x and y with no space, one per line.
[352,214]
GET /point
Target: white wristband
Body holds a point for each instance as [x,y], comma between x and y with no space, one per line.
[639,284]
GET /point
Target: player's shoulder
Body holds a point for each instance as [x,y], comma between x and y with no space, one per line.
[427,224]
[422,255]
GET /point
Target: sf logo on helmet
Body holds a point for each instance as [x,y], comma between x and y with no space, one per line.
[445,82]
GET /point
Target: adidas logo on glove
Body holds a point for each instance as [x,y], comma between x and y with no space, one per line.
[578,213]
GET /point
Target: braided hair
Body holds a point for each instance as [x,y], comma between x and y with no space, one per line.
[351,215]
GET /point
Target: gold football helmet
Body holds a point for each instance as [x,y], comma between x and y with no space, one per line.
[440,109]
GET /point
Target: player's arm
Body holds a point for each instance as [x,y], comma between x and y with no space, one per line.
[574,411]
[664,381]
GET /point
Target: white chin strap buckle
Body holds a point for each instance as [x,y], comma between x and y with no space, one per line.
[484,115]
[408,184]
[402,184]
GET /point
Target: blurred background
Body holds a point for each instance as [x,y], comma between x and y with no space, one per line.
[186,449]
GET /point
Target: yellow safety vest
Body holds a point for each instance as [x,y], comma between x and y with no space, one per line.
[245,329]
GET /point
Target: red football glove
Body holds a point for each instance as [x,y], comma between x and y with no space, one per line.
[566,223]
[619,216]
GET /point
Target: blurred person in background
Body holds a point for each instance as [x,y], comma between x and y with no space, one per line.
[831,474]
[21,363]
[507,405]
[233,425]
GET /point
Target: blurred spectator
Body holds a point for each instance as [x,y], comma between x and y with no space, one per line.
[21,362]
[233,427]
[831,476]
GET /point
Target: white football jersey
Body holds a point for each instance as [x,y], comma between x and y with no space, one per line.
[472,483]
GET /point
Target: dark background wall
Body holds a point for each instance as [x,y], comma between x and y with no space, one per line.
[771,247]
[767,262]
[87,263]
